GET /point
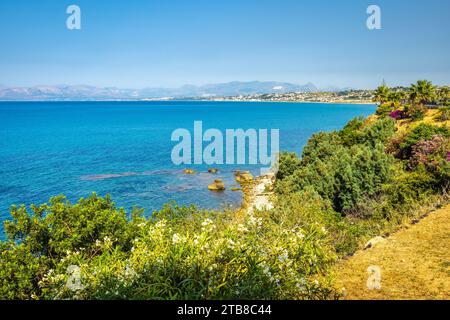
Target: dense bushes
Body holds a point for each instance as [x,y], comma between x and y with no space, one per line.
[89,250]
[343,167]
[444,114]
[416,111]
[369,178]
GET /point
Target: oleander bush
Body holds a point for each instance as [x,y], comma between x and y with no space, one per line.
[92,250]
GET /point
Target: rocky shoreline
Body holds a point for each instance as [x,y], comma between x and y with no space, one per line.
[258,194]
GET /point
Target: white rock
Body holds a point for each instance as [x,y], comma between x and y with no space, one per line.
[373,242]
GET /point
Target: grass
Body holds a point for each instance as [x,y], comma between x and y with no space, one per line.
[414,262]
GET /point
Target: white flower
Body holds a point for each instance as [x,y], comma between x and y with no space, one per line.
[176,238]
[74,281]
[241,228]
[254,222]
[207,222]
[207,225]
[231,244]
[129,272]
[266,271]
[283,257]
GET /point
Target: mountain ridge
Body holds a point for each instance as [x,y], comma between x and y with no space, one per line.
[93,93]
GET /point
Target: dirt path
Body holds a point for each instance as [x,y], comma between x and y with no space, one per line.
[414,263]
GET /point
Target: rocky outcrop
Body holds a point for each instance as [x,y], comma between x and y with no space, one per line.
[243,177]
[218,185]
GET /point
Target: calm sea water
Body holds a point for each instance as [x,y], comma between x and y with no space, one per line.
[124,148]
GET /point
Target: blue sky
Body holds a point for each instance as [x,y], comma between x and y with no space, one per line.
[168,43]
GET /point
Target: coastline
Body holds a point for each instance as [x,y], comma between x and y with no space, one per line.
[362,102]
[196,100]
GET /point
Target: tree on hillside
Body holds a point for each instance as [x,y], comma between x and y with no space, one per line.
[422,92]
[397,96]
[443,95]
[381,94]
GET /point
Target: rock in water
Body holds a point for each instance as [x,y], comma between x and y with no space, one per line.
[243,177]
[213,170]
[188,171]
[218,185]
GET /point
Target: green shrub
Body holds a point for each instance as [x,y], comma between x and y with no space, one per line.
[416,111]
[345,178]
[351,133]
[445,114]
[288,163]
[344,174]
[385,109]
[320,146]
[378,132]
[409,188]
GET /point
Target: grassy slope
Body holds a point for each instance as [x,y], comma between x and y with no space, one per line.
[414,262]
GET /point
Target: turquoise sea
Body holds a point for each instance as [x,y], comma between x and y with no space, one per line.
[124,148]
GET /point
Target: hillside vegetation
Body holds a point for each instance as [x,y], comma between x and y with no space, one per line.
[348,186]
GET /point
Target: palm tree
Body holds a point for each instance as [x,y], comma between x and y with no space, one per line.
[443,95]
[422,92]
[381,94]
[398,96]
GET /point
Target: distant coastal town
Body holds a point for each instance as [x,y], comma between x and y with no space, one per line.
[349,96]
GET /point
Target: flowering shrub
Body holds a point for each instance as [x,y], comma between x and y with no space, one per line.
[178,253]
[431,152]
[404,146]
[397,114]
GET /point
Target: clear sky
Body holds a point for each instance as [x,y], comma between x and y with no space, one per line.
[168,43]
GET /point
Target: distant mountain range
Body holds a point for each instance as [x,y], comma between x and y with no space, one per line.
[91,93]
